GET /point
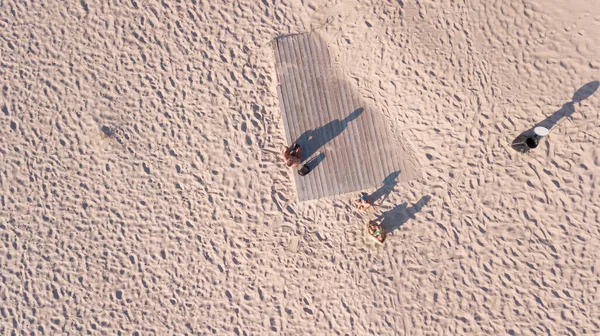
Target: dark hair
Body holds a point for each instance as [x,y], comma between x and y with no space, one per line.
[304,170]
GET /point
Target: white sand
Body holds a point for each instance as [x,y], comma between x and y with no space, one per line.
[185,221]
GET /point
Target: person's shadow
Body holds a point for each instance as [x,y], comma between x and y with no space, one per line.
[312,140]
[385,190]
[565,111]
[392,219]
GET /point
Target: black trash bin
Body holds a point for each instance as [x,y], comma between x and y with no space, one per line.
[532,142]
[304,170]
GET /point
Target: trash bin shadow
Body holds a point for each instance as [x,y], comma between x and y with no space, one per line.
[566,111]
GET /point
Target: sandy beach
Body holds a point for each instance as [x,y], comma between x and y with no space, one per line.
[142,190]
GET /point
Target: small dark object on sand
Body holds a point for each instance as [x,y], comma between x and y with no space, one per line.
[107,131]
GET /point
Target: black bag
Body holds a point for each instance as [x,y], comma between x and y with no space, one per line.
[304,170]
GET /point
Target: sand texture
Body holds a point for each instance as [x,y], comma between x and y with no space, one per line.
[142,193]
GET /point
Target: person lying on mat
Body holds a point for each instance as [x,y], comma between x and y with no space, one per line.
[377,231]
[292,156]
[363,203]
